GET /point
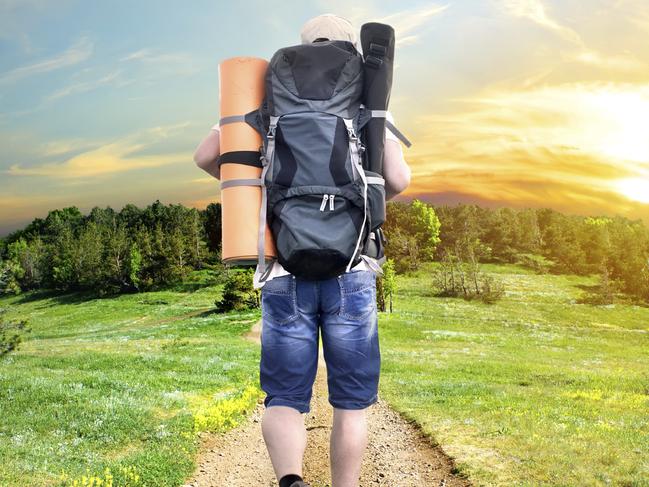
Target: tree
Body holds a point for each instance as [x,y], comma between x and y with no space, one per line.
[177,253]
[10,272]
[87,257]
[389,284]
[212,221]
[134,265]
[197,247]
[61,257]
[412,233]
[116,256]
[26,261]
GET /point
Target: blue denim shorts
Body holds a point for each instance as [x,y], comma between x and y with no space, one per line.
[293,312]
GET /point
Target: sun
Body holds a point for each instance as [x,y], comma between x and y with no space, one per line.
[636,189]
[624,118]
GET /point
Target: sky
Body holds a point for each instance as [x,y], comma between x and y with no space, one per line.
[518,103]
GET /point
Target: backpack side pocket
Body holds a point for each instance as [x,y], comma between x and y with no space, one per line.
[375,198]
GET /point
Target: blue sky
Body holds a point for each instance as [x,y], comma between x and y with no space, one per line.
[103,103]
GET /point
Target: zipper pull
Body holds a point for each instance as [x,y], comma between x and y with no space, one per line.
[324,202]
[331,201]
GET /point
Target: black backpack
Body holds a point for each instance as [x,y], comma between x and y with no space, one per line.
[324,208]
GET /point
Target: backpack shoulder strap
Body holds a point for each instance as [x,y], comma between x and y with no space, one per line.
[391,127]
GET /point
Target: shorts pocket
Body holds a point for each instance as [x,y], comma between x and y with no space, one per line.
[278,300]
[357,294]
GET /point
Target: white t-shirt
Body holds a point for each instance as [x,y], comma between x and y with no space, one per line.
[365,263]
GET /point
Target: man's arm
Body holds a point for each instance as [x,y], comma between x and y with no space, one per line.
[396,171]
[208,152]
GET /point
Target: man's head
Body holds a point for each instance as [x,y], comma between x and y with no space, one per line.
[328,26]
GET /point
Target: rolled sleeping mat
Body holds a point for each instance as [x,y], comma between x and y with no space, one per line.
[377,41]
[241,90]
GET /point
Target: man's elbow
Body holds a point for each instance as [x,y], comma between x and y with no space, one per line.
[200,160]
[401,183]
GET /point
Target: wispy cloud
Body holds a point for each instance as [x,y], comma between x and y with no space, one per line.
[114,79]
[85,86]
[601,119]
[150,56]
[535,11]
[570,144]
[176,63]
[122,155]
[408,23]
[621,62]
[75,54]
[207,180]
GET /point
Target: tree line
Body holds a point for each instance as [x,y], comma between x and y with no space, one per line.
[137,249]
[546,240]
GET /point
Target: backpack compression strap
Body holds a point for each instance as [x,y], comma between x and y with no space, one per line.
[267,161]
[358,166]
[250,158]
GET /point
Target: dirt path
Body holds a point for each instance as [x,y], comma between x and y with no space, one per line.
[398,453]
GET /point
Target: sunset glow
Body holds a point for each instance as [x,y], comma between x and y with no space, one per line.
[525,103]
[635,189]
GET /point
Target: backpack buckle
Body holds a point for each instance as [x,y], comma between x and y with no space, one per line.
[262,157]
[373,62]
[378,50]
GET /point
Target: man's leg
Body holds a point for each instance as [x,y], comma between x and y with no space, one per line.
[288,367]
[351,350]
[285,436]
[347,444]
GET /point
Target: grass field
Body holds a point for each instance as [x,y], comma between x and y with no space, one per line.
[536,389]
[121,383]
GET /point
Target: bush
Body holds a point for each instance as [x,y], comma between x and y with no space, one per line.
[456,277]
[10,333]
[238,293]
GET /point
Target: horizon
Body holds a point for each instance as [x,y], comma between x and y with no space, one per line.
[517,103]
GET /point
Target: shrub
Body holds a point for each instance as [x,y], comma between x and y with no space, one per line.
[10,333]
[238,293]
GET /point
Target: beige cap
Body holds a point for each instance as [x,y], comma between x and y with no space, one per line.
[330,26]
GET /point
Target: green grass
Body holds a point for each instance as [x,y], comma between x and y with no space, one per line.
[536,389]
[121,382]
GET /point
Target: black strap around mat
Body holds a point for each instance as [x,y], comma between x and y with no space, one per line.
[247,157]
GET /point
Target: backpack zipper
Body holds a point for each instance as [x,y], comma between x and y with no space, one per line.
[331,201]
[324,201]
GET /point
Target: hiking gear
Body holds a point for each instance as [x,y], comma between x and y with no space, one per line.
[322,204]
[377,41]
[241,81]
[295,313]
[317,189]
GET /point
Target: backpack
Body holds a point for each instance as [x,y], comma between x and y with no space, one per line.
[323,207]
